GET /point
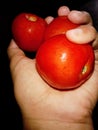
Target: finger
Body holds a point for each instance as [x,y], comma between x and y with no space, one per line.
[95,43]
[49,19]
[96,57]
[15,54]
[80,17]
[63,10]
[82,34]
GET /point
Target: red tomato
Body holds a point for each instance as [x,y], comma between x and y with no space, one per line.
[63,64]
[59,25]
[28,31]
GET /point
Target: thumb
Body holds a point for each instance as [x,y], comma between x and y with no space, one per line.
[82,34]
[15,54]
[13,49]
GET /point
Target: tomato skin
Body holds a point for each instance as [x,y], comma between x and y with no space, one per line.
[63,64]
[28,31]
[59,25]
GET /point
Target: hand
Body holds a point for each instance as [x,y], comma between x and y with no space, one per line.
[85,33]
[45,108]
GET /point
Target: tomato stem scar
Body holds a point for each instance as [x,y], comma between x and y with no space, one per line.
[31,18]
[84,70]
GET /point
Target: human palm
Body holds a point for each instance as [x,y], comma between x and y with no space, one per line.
[40,101]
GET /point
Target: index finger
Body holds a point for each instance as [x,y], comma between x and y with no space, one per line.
[80,17]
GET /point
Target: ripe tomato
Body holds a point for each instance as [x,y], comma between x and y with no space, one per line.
[59,25]
[28,31]
[63,64]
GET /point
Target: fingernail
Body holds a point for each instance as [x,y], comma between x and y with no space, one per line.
[79,13]
[75,32]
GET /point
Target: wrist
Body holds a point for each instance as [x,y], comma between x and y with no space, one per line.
[56,125]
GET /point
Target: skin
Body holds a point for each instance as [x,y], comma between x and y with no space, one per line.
[44,108]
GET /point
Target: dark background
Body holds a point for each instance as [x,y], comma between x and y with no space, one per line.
[9,111]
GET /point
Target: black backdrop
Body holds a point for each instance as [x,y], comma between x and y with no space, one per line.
[9,111]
